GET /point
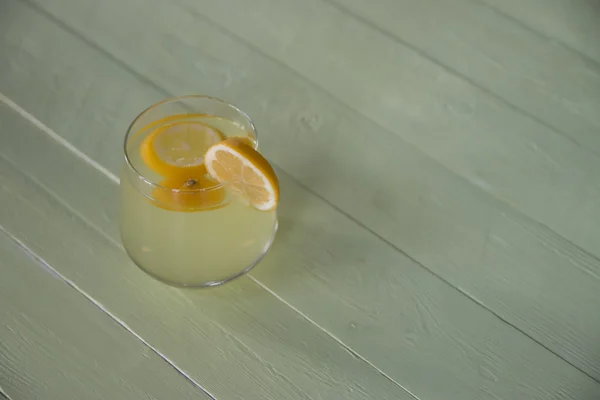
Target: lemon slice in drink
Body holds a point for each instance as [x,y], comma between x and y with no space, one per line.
[189,194]
[178,149]
[235,162]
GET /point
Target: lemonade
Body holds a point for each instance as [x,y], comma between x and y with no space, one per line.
[198,203]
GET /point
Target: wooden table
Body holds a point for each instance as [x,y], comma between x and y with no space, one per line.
[440,219]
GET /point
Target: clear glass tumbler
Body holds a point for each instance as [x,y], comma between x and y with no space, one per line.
[177,224]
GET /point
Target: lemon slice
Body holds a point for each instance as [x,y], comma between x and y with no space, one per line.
[178,149]
[199,193]
[235,162]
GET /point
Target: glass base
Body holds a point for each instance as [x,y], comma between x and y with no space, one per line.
[209,283]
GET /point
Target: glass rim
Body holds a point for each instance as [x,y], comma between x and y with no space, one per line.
[156,185]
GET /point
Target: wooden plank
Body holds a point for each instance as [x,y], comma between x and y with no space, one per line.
[524,150]
[3,394]
[238,340]
[68,103]
[551,84]
[463,128]
[454,229]
[400,317]
[572,23]
[493,146]
[55,344]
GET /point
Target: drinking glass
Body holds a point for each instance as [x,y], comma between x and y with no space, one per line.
[190,235]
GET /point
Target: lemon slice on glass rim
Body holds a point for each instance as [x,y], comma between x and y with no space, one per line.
[235,162]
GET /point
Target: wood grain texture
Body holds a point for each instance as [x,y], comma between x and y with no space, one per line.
[237,340]
[420,331]
[479,138]
[54,344]
[552,84]
[572,23]
[444,222]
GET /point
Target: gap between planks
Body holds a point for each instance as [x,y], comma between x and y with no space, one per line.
[78,153]
[3,394]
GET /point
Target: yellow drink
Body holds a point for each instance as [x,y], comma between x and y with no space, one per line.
[181,238]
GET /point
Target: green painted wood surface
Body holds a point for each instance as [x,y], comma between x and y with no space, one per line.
[238,340]
[551,85]
[57,345]
[438,262]
[459,125]
[427,328]
[571,23]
